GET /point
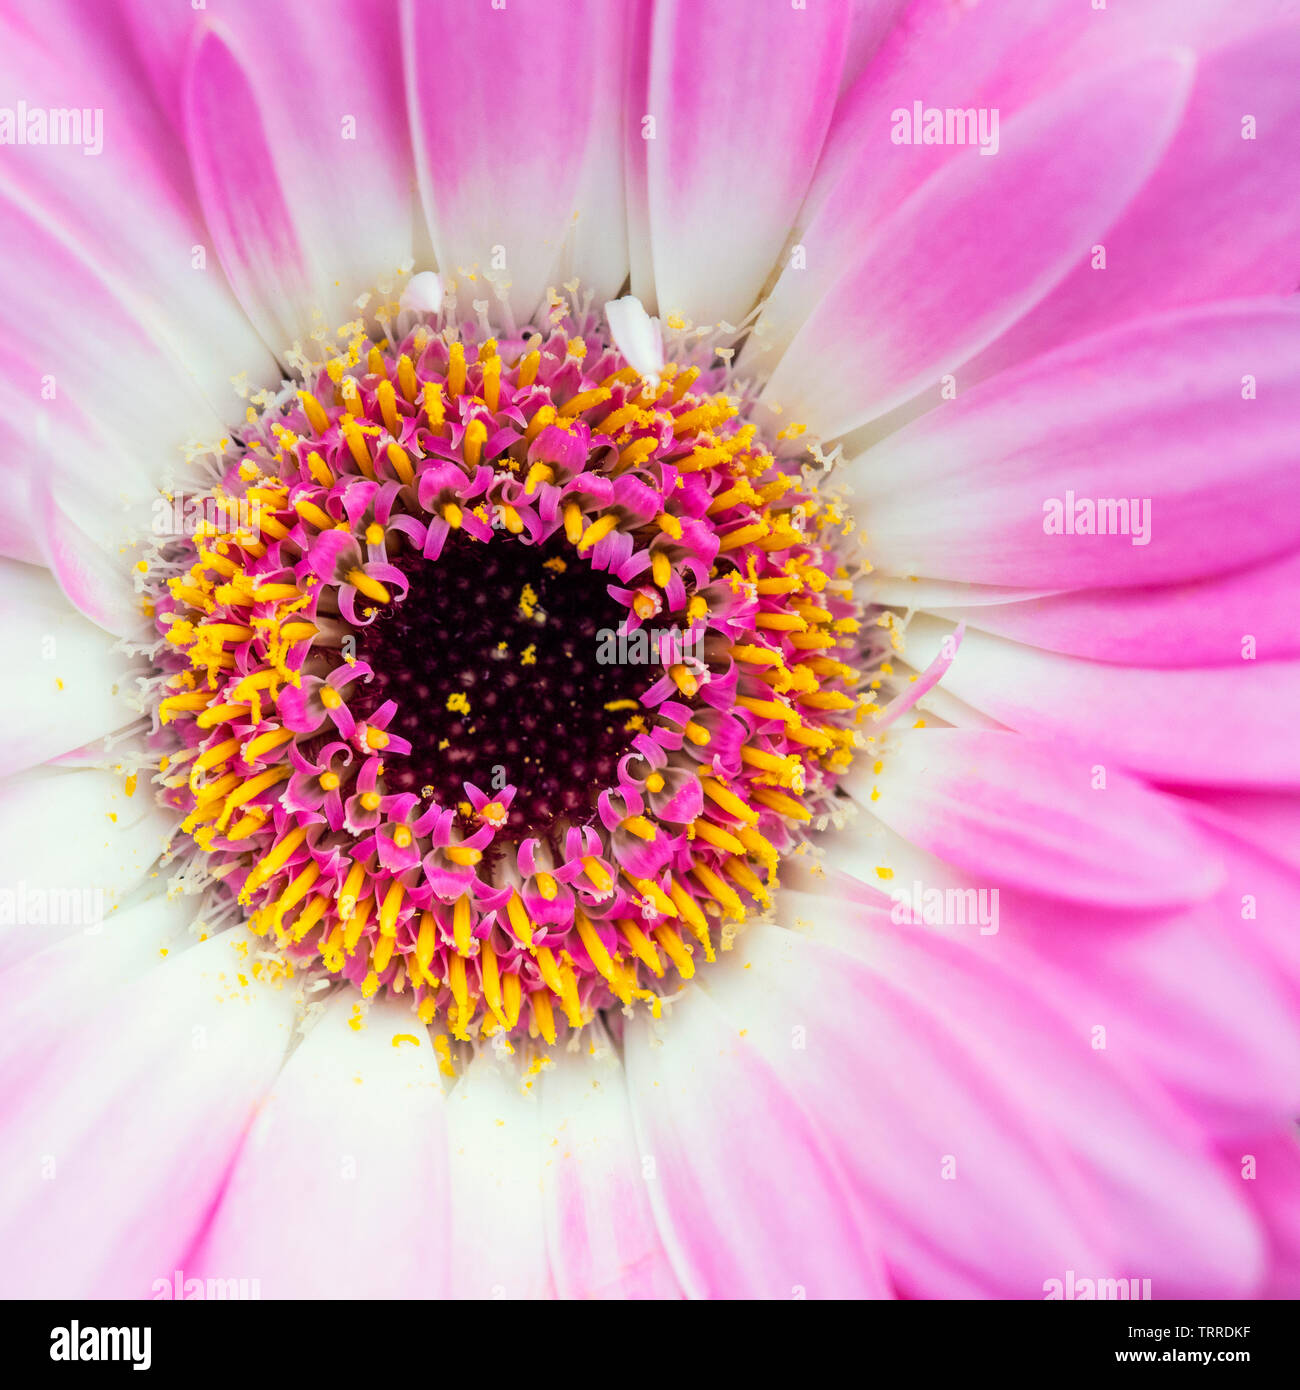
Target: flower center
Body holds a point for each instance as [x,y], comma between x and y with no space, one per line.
[499,675]
[493,660]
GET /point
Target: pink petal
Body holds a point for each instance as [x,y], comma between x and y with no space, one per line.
[1019,814]
[340,1187]
[241,193]
[1060,1142]
[922,296]
[93,365]
[1202,623]
[729,160]
[968,491]
[1269,1172]
[1268,820]
[518,158]
[1255,834]
[320,99]
[121,1127]
[1195,1000]
[142,247]
[724,1139]
[966,57]
[601,1233]
[1215,221]
[1214,727]
[801,1085]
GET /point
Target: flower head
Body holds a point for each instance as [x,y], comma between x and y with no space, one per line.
[392,704]
[650,651]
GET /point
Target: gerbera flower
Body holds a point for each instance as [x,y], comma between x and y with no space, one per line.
[653,648]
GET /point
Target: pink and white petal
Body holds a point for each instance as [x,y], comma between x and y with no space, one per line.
[1207,1014]
[1256,835]
[861,1110]
[920,297]
[959,57]
[52,986]
[144,247]
[870,22]
[636,152]
[601,1234]
[340,1187]
[728,162]
[1214,221]
[519,160]
[242,194]
[1267,821]
[969,491]
[48,446]
[1217,727]
[964,57]
[498,1238]
[90,442]
[1208,622]
[1019,814]
[75,852]
[118,1132]
[69,683]
[1188,998]
[724,1137]
[96,577]
[79,841]
[933,595]
[93,357]
[320,94]
[1140,1177]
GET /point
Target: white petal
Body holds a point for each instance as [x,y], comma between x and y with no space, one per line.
[340,1190]
[595,1183]
[636,335]
[119,1130]
[498,1247]
[80,844]
[423,293]
[66,680]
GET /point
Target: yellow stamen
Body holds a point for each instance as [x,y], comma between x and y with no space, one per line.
[675,949]
[543,1014]
[728,800]
[456,370]
[597,531]
[401,462]
[388,407]
[528,369]
[640,945]
[544,416]
[390,907]
[461,924]
[584,400]
[778,801]
[519,920]
[406,378]
[315,412]
[715,835]
[475,438]
[364,584]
